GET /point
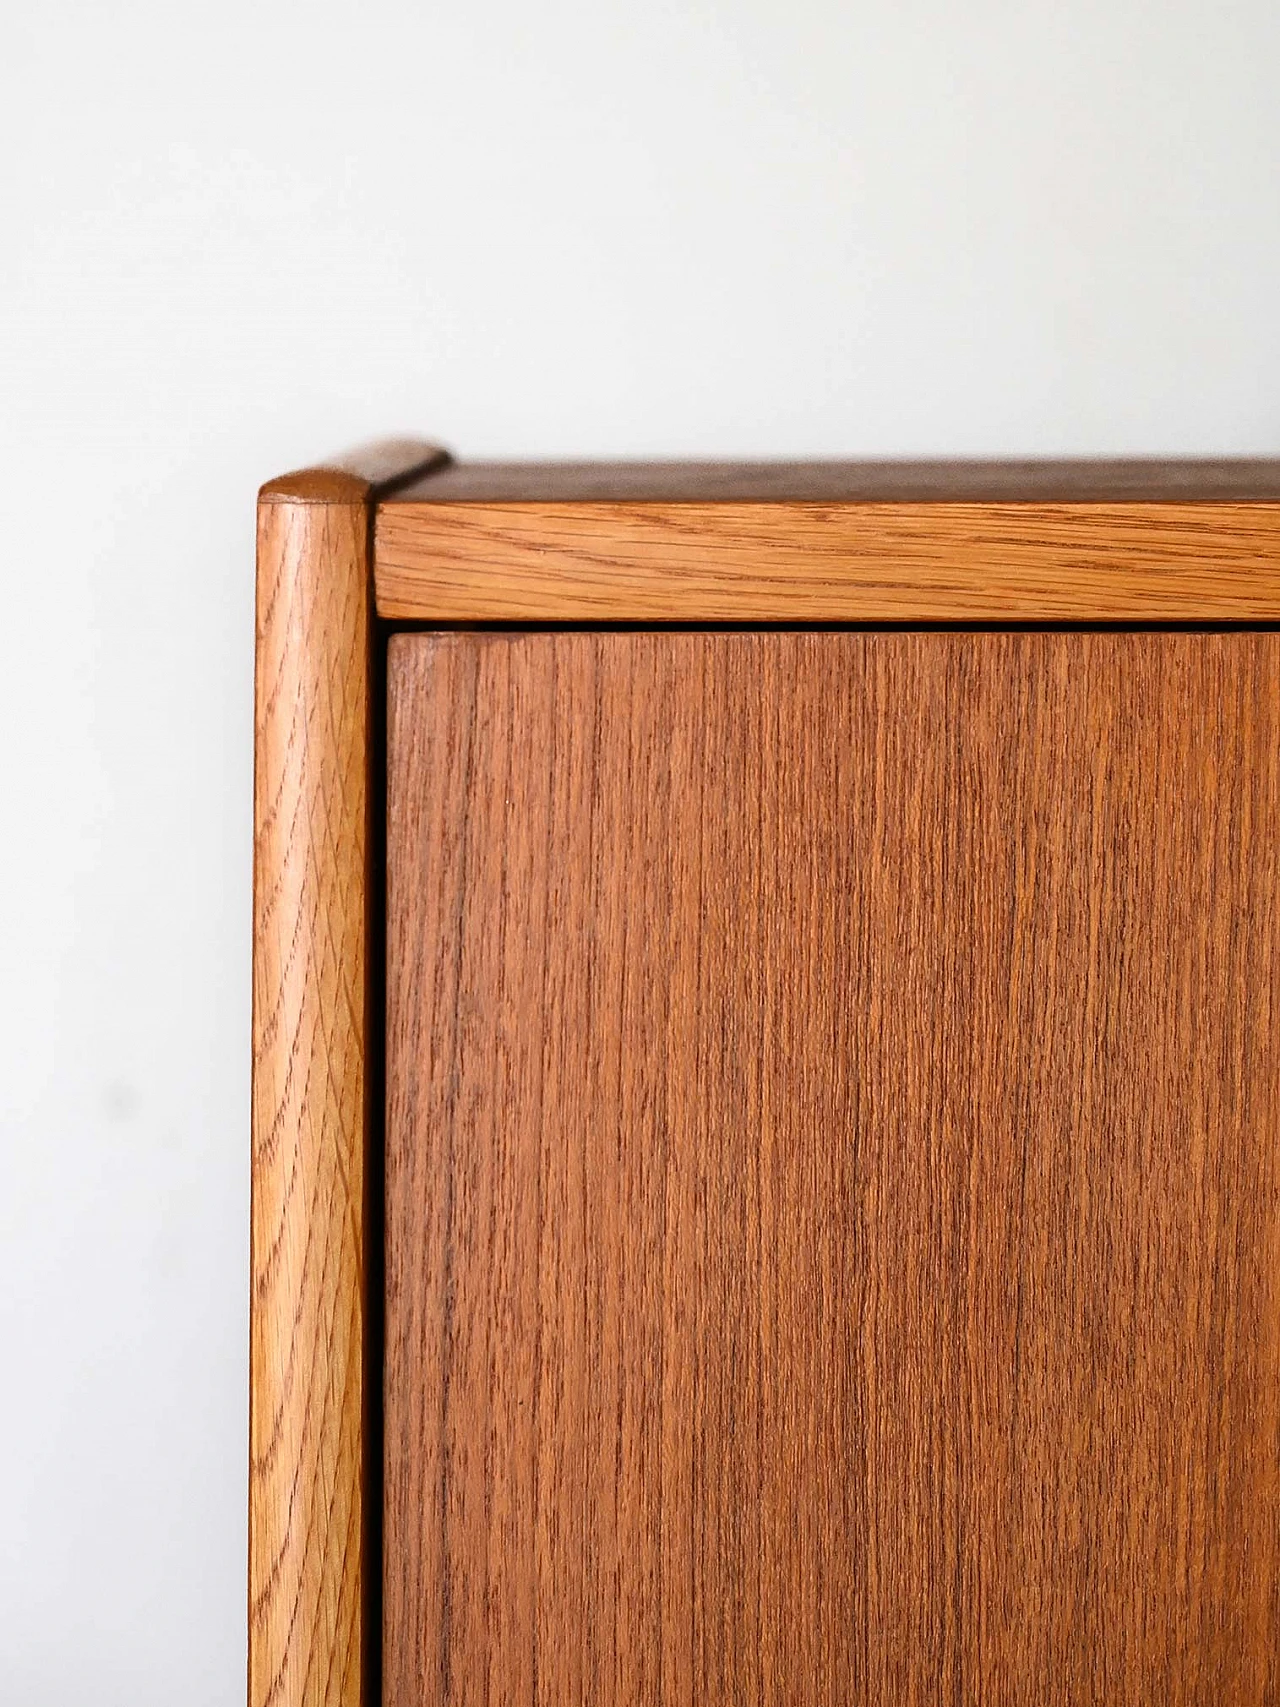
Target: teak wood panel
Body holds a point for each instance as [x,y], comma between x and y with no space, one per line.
[833,1229]
[842,542]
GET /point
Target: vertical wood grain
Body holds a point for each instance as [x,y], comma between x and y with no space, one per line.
[833,1186]
[309,1105]
[307,1579]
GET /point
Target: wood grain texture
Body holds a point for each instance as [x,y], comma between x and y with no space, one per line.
[833,1190]
[778,560]
[310,1091]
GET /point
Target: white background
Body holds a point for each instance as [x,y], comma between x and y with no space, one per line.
[236,237]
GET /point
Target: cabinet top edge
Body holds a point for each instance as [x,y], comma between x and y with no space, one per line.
[1099,480]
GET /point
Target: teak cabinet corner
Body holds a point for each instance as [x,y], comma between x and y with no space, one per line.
[766,1112]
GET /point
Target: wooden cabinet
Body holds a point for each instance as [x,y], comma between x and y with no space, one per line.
[767,1086]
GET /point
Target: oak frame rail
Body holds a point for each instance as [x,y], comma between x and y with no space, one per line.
[314,730]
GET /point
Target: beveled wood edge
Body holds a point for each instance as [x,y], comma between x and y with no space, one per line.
[309,1589]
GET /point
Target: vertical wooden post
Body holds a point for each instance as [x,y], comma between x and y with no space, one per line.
[312,1115]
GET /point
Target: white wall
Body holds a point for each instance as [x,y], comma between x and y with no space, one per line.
[238,236]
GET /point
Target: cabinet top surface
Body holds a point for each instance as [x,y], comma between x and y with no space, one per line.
[1140,480]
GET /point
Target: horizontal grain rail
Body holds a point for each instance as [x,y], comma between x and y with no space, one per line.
[776,561]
